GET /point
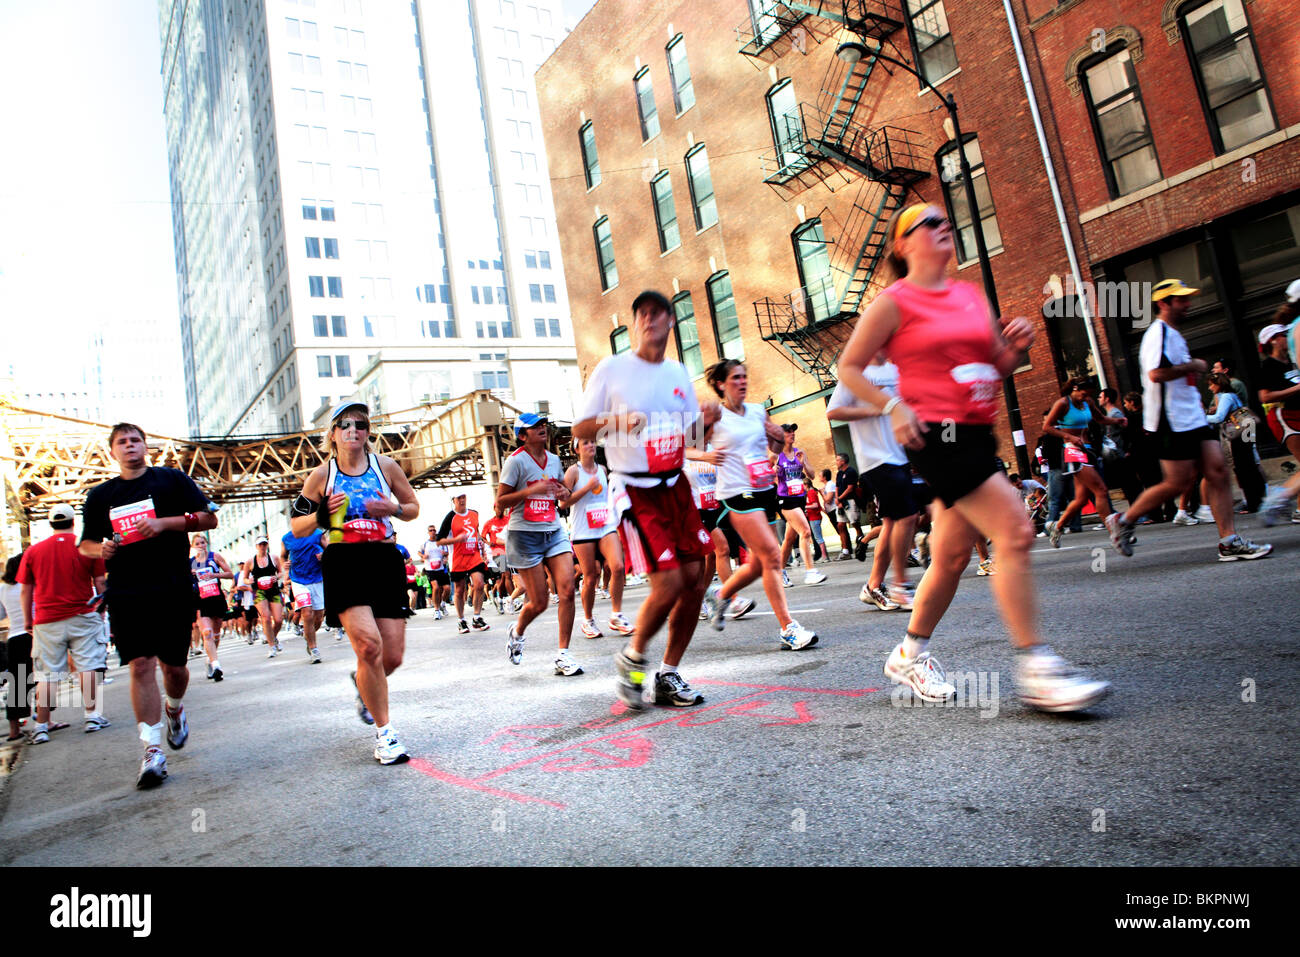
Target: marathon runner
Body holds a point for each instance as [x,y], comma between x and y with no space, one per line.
[1069,419]
[791,475]
[208,568]
[494,533]
[747,489]
[265,571]
[644,408]
[351,497]
[701,467]
[595,537]
[1279,393]
[301,560]
[944,418]
[532,485]
[460,532]
[139,524]
[435,569]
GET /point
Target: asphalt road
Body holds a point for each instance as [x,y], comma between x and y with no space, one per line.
[796,757]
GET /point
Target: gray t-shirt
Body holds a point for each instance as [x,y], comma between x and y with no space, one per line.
[537,513]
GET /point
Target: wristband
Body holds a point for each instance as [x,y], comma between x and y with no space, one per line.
[398,513]
[890,405]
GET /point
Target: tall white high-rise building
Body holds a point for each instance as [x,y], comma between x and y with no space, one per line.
[361,185]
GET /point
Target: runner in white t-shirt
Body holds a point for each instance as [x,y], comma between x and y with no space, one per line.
[435,569]
[595,537]
[1176,423]
[883,464]
[644,409]
[747,489]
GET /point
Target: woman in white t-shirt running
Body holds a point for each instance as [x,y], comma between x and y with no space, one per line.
[747,489]
[595,536]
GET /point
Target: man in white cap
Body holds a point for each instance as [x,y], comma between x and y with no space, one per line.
[60,588]
[1180,433]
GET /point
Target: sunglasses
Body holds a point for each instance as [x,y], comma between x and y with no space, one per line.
[930,222]
[357,424]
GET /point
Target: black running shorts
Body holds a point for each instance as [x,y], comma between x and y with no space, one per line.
[955,468]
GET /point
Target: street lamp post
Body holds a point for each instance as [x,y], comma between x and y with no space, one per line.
[851,53]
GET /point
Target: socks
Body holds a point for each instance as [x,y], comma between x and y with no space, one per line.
[665,668]
[913,645]
[386,729]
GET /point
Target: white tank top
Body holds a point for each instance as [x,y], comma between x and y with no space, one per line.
[592,516]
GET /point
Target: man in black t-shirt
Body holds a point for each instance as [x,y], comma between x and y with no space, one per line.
[846,504]
[139,523]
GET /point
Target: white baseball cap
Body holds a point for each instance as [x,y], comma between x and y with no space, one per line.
[1269,332]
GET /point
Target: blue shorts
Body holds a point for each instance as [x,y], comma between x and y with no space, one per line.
[528,549]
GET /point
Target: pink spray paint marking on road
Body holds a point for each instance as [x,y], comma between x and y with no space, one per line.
[626,746]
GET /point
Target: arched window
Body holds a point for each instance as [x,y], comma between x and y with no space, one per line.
[605,253]
[812,256]
[679,72]
[726,323]
[787,128]
[620,340]
[688,334]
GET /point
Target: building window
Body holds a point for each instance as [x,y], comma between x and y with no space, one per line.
[543,259]
[927,27]
[954,194]
[316,286]
[319,326]
[701,183]
[336,287]
[688,336]
[590,164]
[620,340]
[343,367]
[645,104]
[327,213]
[1119,122]
[313,247]
[324,368]
[539,328]
[1226,66]
[308,211]
[726,323]
[331,248]
[604,255]
[679,73]
[339,325]
[812,256]
[787,129]
[661,193]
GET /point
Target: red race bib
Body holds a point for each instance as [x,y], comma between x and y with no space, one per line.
[301,597]
[664,451]
[709,499]
[597,517]
[1075,454]
[125,520]
[760,473]
[364,530]
[539,510]
[266,582]
[794,485]
[209,588]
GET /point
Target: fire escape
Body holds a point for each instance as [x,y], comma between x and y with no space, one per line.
[833,138]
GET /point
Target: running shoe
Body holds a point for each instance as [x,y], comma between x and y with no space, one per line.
[704,612]
[153,769]
[601,594]
[498,604]
[1204,514]
[740,607]
[672,689]
[923,674]
[860,553]
[514,646]
[877,597]
[914,558]
[589,629]
[40,735]
[565,665]
[315,656]
[619,622]
[1241,550]
[178,728]
[1050,683]
[95,722]
[986,568]
[631,676]
[844,556]
[479,623]
[814,577]
[1121,535]
[795,637]
[437,614]
[388,750]
[1054,532]
[1182,518]
[555,599]
[362,711]
[462,627]
[273,652]
[717,609]
[1275,507]
[252,640]
[901,596]
[209,675]
[785,578]
[517,604]
[215,672]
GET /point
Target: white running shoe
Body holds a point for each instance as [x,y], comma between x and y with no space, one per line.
[877,597]
[1239,549]
[601,594]
[901,595]
[1121,535]
[986,568]
[1275,507]
[740,607]
[1050,683]
[631,669]
[518,603]
[785,578]
[1182,518]
[388,750]
[437,614]
[565,665]
[95,722]
[1204,514]
[619,623]
[923,674]
[589,629]
[1054,531]
[273,652]
[514,646]
[153,769]
[814,577]
[717,610]
[795,637]
[315,656]
[178,727]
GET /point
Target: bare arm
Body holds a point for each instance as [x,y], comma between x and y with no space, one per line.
[1170,373]
[27,595]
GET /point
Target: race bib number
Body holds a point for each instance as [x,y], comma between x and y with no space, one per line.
[597,517]
[435,563]
[539,510]
[301,598]
[126,519]
[709,499]
[1074,454]
[760,473]
[982,381]
[364,530]
[469,547]
[266,582]
[664,450]
[209,588]
[795,486]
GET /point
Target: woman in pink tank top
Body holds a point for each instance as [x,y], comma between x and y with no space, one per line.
[952,354]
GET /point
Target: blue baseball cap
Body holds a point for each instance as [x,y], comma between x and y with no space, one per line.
[527,420]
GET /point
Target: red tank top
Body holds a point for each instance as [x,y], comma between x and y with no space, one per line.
[943,348]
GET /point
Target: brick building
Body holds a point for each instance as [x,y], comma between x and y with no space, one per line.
[743,156]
